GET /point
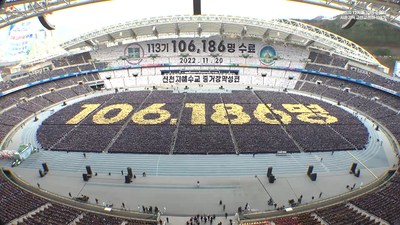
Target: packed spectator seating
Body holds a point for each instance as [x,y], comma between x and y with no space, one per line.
[351,72]
[53,214]
[20,109]
[75,59]
[64,65]
[183,137]
[54,97]
[379,105]
[36,90]
[30,209]
[339,62]
[328,139]
[204,140]
[60,62]
[384,202]
[100,65]
[29,107]
[92,218]
[72,69]
[304,219]
[188,139]
[4,130]
[342,214]
[375,206]
[252,139]
[7,101]
[324,59]
[88,138]
[86,67]
[16,202]
[67,93]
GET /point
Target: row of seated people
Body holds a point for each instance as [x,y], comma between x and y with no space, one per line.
[301,219]
[321,58]
[384,202]
[365,76]
[15,97]
[45,74]
[92,218]
[349,92]
[373,108]
[76,59]
[342,214]
[377,205]
[30,209]
[53,96]
[380,96]
[189,139]
[16,202]
[53,214]
[24,109]
[336,65]
[60,214]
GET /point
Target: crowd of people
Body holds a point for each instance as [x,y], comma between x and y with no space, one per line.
[184,137]
[15,201]
[352,72]
[93,218]
[304,218]
[210,139]
[369,209]
[383,203]
[52,214]
[27,208]
[363,101]
[15,111]
[342,214]
[70,64]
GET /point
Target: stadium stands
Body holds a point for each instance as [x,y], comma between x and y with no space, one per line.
[369,209]
[27,208]
[53,214]
[343,214]
[15,201]
[383,203]
[184,137]
[304,218]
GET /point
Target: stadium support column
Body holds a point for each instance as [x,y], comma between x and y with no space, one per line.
[196,7]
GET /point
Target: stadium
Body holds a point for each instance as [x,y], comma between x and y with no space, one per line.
[197,119]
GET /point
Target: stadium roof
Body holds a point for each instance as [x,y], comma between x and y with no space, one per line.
[283,30]
[13,11]
[386,11]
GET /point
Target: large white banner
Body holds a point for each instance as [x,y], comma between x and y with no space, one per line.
[20,40]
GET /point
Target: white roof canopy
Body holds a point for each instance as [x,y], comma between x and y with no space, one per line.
[284,30]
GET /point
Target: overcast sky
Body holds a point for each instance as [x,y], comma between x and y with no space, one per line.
[72,22]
